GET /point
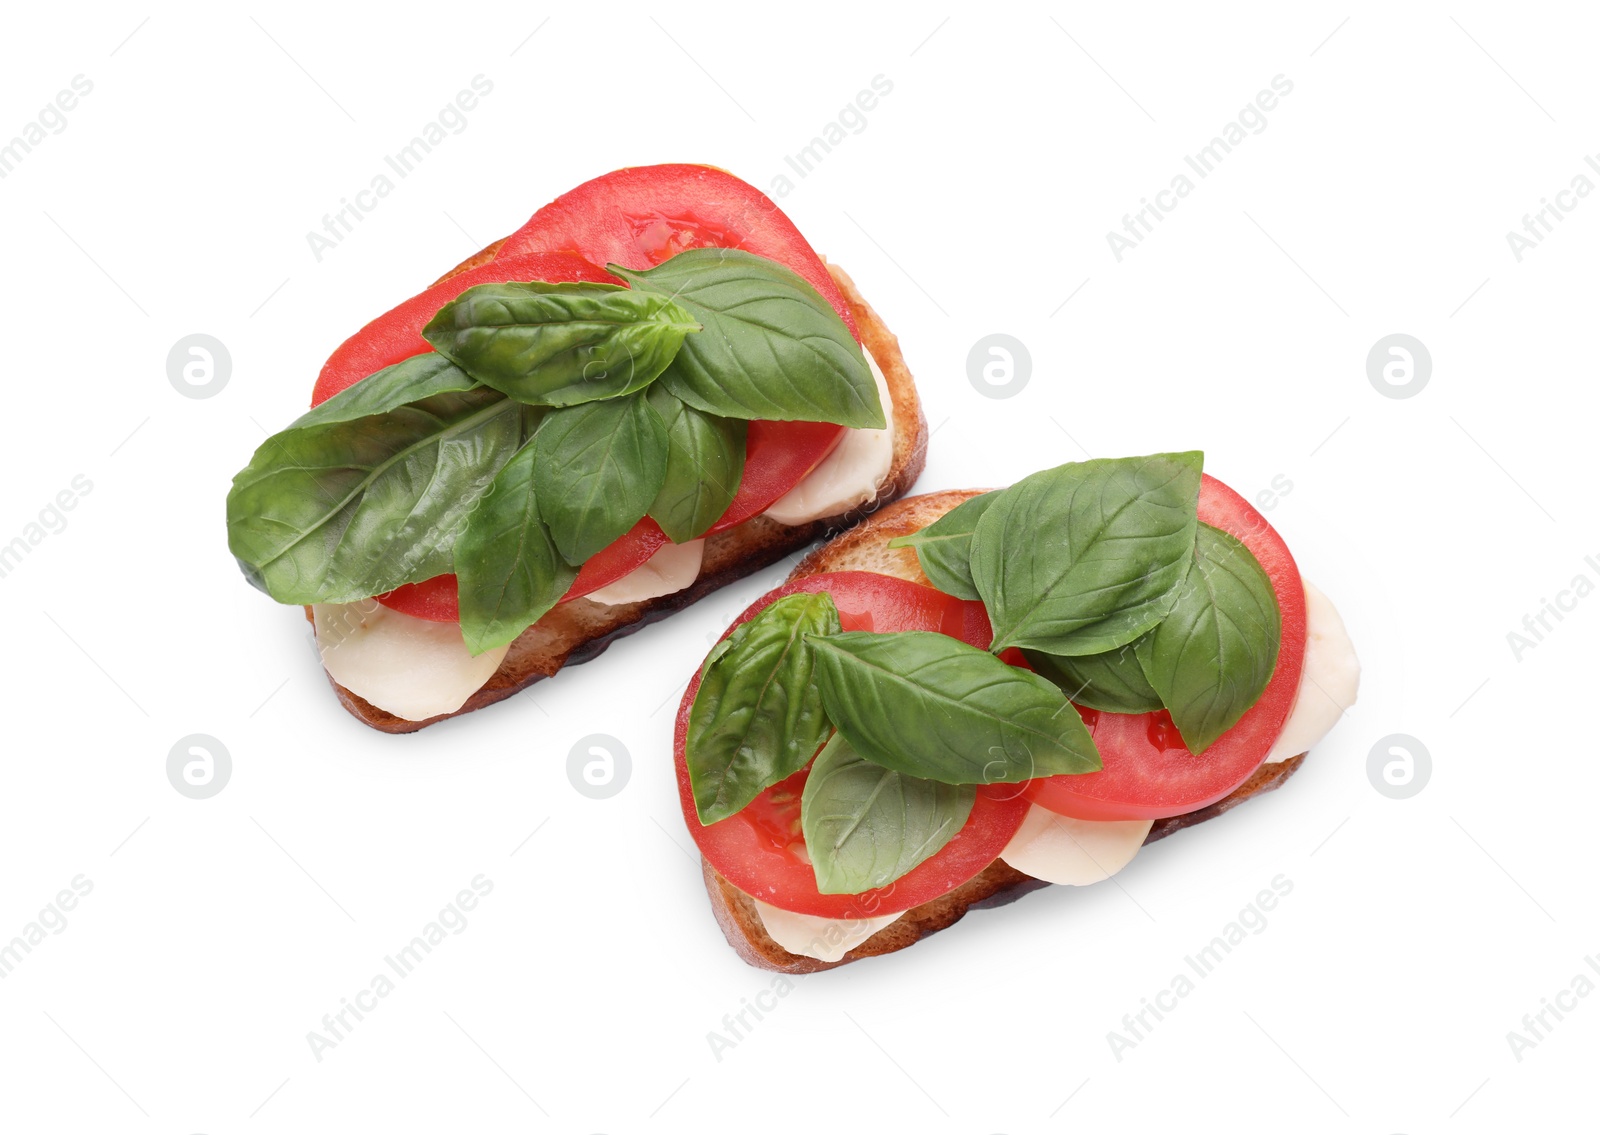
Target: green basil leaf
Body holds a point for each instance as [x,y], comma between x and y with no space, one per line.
[1113,681]
[771,348]
[508,571]
[342,511]
[598,467]
[865,825]
[756,718]
[929,705]
[560,344]
[410,380]
[705,462]
[1083,558]
[1214,654]
[944,548]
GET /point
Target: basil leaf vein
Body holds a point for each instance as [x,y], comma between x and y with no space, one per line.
[705,463]
[771,347]
[598,467]
[944,548]
[866,826]
[560,344]
[1212,657]
[756,717]
[931,706]
[344,510]
[508,571]
[1085,557]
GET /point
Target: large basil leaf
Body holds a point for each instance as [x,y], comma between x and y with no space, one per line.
[598,467]
[929,705]
[1083,558]
[944,548]
[771,348]
[560,344]
[508,571]
[1113,681]
[705,462]
[410,380]
[1214,654]
[756,717]
[342,511]
[865,825]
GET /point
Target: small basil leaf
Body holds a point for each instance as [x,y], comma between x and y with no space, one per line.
[1083,558]
[865,826]
[944,548]
[929,705]
[1113,681]
[771,348]
[756,718]
[598,467]
[410,380]
[705,462]
[508,571]
[343,511]
[1214,654]
[560,344]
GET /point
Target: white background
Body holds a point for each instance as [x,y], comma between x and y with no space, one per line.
[976,200]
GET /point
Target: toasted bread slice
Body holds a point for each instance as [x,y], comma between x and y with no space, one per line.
[865,548]
[577,631]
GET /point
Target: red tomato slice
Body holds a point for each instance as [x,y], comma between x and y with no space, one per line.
[396,336]
[1147,771]
[641,216]
[777,456]
[761,851]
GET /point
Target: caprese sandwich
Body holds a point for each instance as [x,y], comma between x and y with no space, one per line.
[970,695]
[651,389]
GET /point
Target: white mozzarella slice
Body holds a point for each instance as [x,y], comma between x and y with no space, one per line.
[672,568]
[826,939]
[1328,684]
[847,477]
[411,667]
[1060,849]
